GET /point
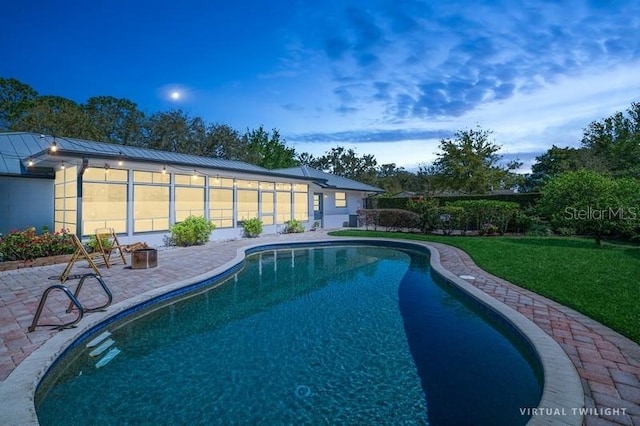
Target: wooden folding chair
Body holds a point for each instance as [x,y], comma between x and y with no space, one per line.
[81,254]
[107,242]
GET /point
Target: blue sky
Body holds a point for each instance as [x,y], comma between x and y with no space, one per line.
[389,78]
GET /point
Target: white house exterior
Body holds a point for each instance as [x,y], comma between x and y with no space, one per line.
[80,185]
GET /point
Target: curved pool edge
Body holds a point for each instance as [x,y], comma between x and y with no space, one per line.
[562,389]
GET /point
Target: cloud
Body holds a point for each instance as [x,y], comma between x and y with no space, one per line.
[363,136]
[447,59]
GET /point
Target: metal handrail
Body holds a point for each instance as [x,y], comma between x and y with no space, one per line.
[104,287]
[74,301]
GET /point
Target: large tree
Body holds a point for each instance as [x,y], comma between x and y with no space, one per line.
[267,150]
[173,131]
[347,163]
[55,115]
[115,120]
[16,99]
[470,163]
[616,140]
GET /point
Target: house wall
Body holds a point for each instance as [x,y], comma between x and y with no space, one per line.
[338,217]
[25,202]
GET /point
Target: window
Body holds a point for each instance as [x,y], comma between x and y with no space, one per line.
[341,199]
[221,207]
[247,205]
[300,202]
[66,201]
[267,204]
[189,196]
[104,200]
[150,201]
[283,206]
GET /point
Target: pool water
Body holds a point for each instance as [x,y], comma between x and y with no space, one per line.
[331,335]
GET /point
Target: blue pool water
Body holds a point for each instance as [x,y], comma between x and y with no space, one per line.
[332,335]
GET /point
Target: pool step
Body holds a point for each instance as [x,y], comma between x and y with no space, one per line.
[108,357]
[98,340]
[103,347]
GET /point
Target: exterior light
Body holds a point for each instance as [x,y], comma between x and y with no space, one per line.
[54,146]
[164,170]
[120,159]
[30,162]
[62,166]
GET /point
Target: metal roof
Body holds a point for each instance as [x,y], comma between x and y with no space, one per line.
[328,180]
[16,148]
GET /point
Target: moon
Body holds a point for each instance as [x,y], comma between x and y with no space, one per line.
[175,95]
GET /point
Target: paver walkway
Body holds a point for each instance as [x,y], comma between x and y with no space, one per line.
[608,363]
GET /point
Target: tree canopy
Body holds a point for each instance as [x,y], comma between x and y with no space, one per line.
[470,163]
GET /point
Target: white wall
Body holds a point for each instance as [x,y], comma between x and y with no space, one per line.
[25,202]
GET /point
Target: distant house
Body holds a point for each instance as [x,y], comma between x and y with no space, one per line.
[83,185]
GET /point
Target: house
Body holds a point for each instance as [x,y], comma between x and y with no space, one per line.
[80,185]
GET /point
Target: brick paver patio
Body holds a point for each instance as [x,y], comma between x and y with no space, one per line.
[608,363]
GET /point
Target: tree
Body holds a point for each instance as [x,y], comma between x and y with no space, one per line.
[346,163]
[172,131]
[266,150]
[469,163]
[115,120]
[591,203]
[616,140]
[221,141]
[16,99]
[55,115]
[556,161]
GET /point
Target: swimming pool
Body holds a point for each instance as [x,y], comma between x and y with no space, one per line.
[349,334]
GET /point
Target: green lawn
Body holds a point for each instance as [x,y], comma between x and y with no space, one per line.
[601,282]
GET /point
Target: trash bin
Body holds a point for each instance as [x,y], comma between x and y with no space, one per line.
[144,258]
[353,221]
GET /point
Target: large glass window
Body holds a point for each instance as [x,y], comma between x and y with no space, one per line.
[104,200]
[283,206]
[341,199]
[150,201]
[267,205]
[301,206]
[189,202]
[189,196]
[66,201]
[247,204]
[221,206]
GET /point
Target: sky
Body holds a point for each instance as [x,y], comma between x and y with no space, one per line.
[386,77]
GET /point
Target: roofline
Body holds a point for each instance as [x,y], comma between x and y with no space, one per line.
[83,154]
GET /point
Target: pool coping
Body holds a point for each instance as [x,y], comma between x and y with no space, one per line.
[562,389]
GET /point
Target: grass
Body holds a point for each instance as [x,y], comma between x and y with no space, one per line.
[600,282]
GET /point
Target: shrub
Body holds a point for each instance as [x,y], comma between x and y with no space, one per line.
[481,212]
[293,227]
[452,218]
[428,211]
[92,244]
[252,227]
[592,204]
[391,219]
[194,230]
[27,244]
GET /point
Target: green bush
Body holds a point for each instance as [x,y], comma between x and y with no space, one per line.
[194,230]
[451,218]
[27,244]
[428,211]
[252,227]
[592,204]
[92,244]
[293,227]
[390,219]
[484,215]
